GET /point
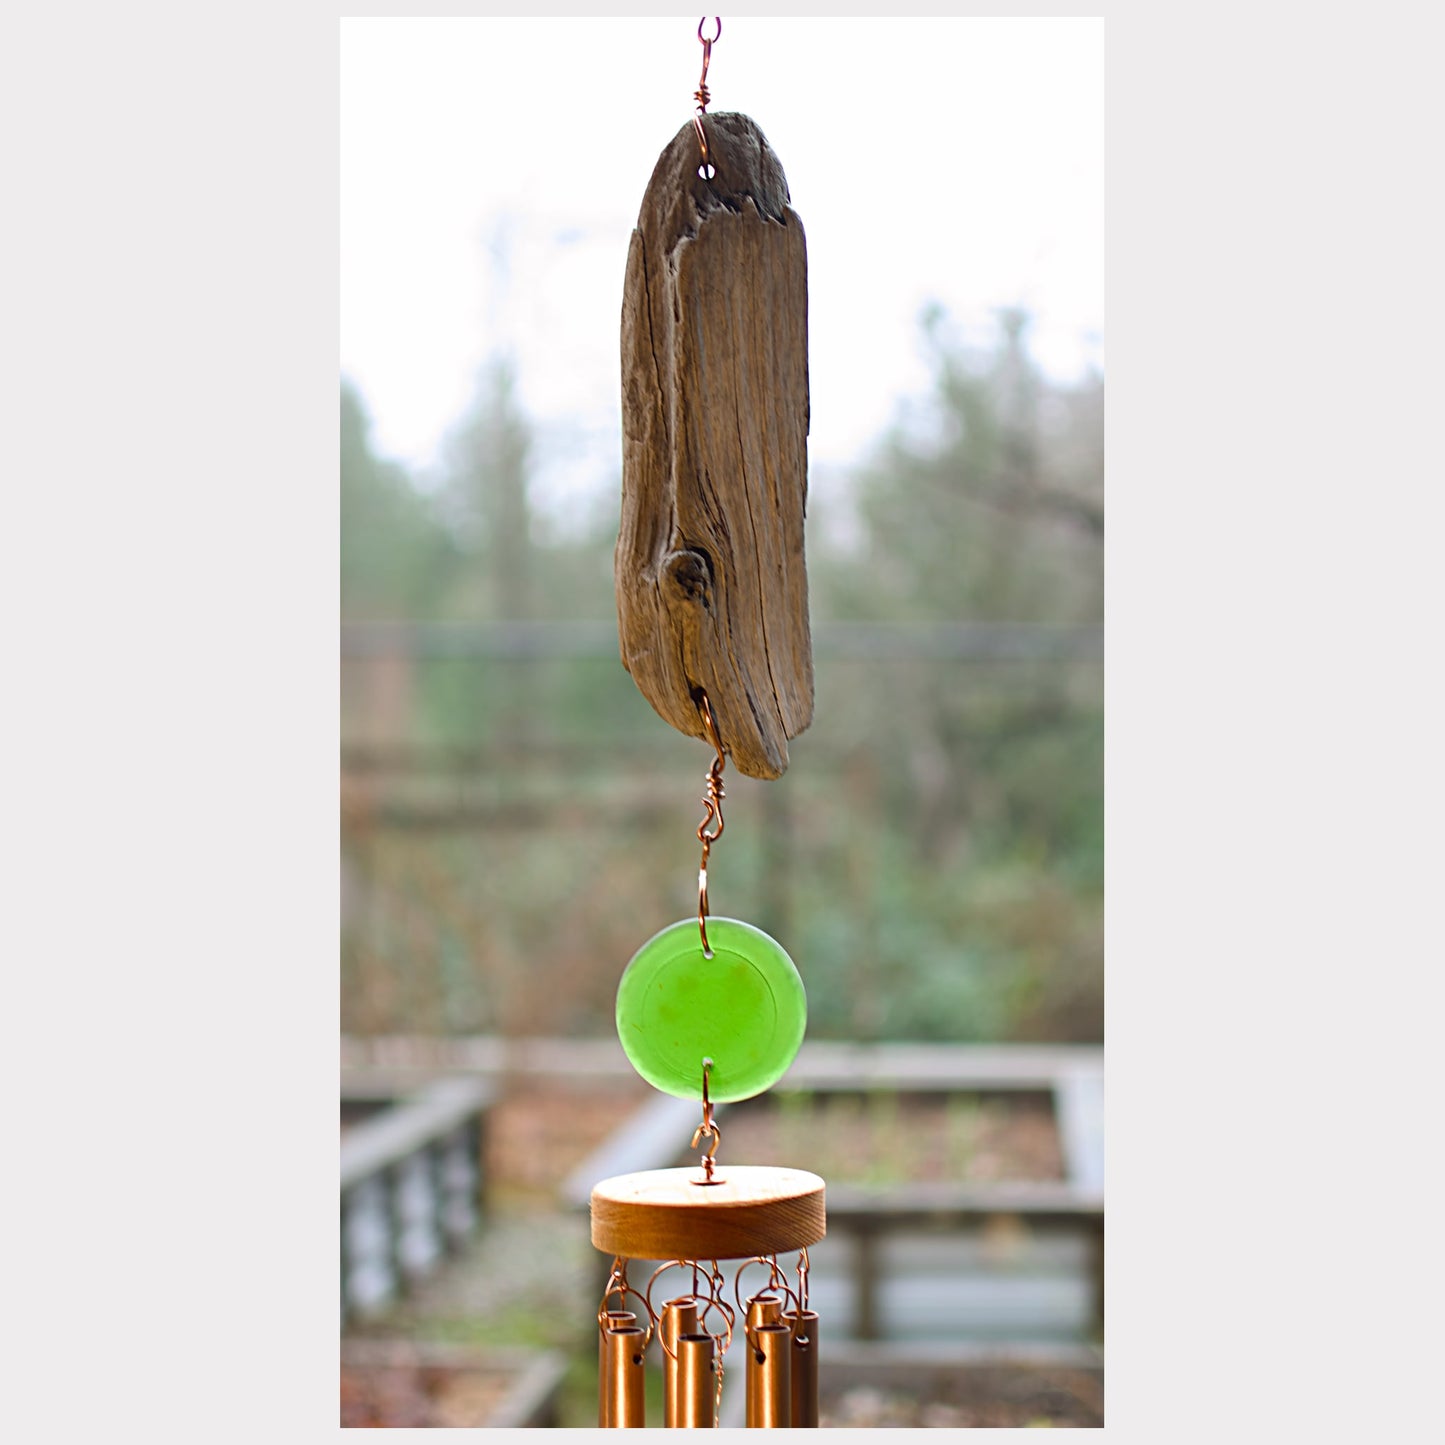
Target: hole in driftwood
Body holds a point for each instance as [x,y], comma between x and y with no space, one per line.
[706,172]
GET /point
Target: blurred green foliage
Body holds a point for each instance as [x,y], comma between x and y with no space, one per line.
[395,552]
[933,859]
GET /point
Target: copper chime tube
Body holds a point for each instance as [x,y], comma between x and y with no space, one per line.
[679,1317]
[611,1320]
[770,1401]
[621,1401]
[696,1399]
[608,1320]
[804,1368]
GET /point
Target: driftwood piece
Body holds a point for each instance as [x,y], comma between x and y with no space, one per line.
[712,590]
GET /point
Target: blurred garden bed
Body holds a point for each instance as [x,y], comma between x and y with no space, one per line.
[403,1384]
[889,1137]
[871,1389]
[538,1133]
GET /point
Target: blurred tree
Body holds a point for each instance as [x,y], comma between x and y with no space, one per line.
[986,887]
[393,548]
[512,568]
[934,858]
[506,568]
[992,511]
[484,501]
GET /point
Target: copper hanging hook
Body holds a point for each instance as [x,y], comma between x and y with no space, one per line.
[707,1129]
[713,803]
[702,95]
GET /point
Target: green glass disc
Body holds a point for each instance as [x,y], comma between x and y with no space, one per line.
[744,1008]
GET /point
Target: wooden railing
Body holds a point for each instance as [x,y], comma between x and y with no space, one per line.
[412,1185]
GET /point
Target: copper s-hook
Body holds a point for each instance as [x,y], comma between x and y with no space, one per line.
[702,95]
[713,803]
[707,1129]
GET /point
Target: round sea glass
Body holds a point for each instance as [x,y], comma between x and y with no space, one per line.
[744,1008]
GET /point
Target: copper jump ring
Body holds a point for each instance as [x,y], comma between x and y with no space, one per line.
[647,1295]
[617,1285]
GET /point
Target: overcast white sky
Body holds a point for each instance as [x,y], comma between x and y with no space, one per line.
[492,170]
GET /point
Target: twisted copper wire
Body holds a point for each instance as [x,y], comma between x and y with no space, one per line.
[713,803]
[702,95]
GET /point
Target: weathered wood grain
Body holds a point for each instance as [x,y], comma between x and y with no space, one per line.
[712,590]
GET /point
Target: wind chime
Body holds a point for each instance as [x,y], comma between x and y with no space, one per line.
[713,622]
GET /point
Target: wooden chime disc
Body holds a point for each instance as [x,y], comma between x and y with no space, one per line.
[670,1214]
